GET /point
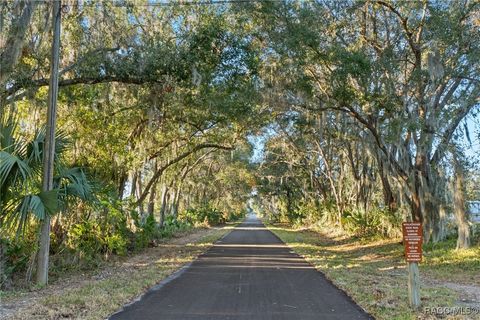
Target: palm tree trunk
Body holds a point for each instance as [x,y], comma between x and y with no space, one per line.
[49,148]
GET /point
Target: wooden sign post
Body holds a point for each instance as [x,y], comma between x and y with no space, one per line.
[412,240]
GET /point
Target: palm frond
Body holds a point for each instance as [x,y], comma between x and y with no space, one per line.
[72,183]
[11,167]
[19,210]
[8,125]
[34,148]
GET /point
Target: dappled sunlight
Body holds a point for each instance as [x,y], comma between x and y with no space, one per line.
[174,261]
[396,267]
[250,258]
[374,257]
[251,228]
[276,228]
[349,254]
[261,266]
[198,245]
[138,264]
[266,246]
[245,260]
[303,245]
[169,245]
[162,262]
[369,257]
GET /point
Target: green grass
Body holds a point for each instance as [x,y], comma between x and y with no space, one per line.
[443,262]
[96,299]
[373,271]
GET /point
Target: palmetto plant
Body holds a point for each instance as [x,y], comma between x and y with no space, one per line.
[21,197]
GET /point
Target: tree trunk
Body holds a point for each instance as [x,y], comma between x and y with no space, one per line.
[138,192]
[332,183]
[121,184]
[3,275]
[153,193]
[176,202]
[463,240]
[151,200]
[388,197]
[49,147]
[416,199]
[164,205]
[434,209]
[133,186]
[171,202]
[442,214]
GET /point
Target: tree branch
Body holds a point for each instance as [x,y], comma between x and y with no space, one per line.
[448,133]
[182,156]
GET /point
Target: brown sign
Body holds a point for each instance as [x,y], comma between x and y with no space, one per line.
[412,239]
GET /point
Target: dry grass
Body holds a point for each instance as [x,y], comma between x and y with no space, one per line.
[100,294]
[373,272]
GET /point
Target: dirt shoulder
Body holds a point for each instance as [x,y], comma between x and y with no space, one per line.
[373,273]
[97,294]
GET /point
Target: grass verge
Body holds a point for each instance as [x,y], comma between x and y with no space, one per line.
[373,272]
[99,295]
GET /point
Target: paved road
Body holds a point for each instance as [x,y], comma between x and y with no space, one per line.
[248,274]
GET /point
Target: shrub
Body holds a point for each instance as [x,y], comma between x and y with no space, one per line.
[85,238]
[236,215]
[116,244]
[147,232]
[105,235]
[378,222]
[171,225]
[205,214]
[189,216]
[15,254]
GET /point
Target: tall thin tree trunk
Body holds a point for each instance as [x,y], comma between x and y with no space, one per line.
[121,184]
[133,186]
[332,184]
[171,202]
[3,275]
[463,240]
[164,205]
[388,196]
[153,193]
[442,215]
[49,147]
[416,209]
[151,200]
[176,202]
[138,192]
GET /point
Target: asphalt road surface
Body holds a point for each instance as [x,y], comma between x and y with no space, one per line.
[248,274]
